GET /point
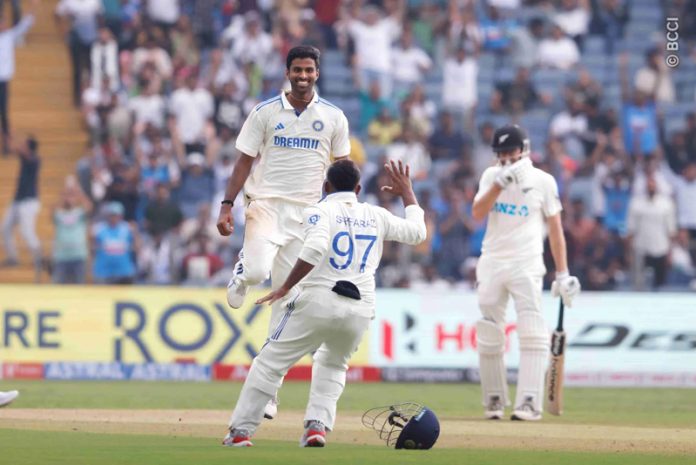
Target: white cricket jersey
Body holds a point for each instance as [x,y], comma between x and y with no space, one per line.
[516,223]
[295,149]
[344,240]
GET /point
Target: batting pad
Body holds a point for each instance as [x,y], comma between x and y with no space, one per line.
[490,340]
[534,354]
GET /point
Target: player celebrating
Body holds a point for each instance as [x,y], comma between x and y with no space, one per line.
[518,198]
[295,135]
[6,398]
[336,267]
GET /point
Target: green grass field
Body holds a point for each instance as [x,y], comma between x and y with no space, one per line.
[110,423]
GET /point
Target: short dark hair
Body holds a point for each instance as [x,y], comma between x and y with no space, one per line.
[343,175]
[32,144]
[303,51]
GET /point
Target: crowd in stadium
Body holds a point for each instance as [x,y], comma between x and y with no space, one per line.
[165,85]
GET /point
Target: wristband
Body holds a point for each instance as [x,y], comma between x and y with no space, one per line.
[562,274]
[227,202]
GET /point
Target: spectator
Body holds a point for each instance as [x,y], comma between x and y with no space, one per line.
[372,104]
[83,17]
[184,51]
[25,206]
[690,133]
[104,60]
[496,31]
[163,13]
[412,152]
[150,53]
[639,123]
[654,79]
[447,142]
[525,44]
[571,128]
[97,103]
[574,18]
[70,249]
[409,63]
[482,154]
[453,229]
[114,244]
[147,108]
[373,36]
[609,19]
[191,110]
[517,96]
[197,185]
[384,129]
[616,193]
[684,194]
[253,45]
[459,91]
[200,264]
[157,258]
[162,214]
[601,261]
[585,87]
[418,111]
[651,229]
[10,35]
[558,51]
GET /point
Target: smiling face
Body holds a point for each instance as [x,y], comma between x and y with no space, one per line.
[302,74]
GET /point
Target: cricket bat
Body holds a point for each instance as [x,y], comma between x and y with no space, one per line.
[554,375]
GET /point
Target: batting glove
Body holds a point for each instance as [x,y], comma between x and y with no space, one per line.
[566,287]
[520,170]
[505,177]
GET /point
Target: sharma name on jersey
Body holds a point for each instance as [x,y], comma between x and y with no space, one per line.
[296,142]
[510,209]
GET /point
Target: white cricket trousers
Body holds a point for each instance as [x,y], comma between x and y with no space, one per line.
[317,317]
[273,238]
[523,280]
[22,212]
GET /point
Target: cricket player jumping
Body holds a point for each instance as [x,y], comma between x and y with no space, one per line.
[518,199]
[294,135]
[335,301]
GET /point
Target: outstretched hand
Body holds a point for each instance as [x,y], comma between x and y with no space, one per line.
[273,296]
[400,178]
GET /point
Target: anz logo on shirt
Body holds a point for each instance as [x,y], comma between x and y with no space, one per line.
[510,209]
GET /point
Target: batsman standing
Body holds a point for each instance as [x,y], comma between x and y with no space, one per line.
[294,136]
[519,201]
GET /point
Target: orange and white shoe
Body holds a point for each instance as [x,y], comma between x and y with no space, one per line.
[314,435]
[237,437]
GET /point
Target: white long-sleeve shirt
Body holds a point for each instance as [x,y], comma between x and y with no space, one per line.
[8,39]
[652,223]
[344,240]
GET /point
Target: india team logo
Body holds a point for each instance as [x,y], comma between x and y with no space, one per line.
[317,125]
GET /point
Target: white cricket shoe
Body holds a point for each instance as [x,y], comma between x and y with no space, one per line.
[495,409]
[237,437]
[314,435]
[236,291]
[271,408]
[6,398]
[526,412]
